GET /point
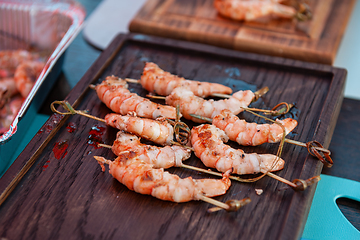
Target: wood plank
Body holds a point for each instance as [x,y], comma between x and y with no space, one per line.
[68,196]
[316,40]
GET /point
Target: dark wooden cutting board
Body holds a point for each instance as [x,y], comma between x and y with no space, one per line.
[316,40]
[56,190]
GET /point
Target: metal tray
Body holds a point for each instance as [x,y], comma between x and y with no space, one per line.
[42,26]
[55,188]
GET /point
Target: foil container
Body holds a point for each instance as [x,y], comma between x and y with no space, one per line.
[47,26]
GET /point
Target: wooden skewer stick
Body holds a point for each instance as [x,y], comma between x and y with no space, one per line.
[71,111]
[131,80]
[212,201]
[234,206]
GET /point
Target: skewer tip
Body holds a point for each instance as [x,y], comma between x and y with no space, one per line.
[233,205]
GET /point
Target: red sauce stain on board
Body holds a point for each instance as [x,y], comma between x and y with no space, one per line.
[71,127]
[95,135]
[46,165]
[60,149]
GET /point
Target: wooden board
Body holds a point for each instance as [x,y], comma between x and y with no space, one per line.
[55,188]
[316,40]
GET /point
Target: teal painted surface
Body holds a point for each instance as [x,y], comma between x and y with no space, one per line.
[325,220]
[33,127]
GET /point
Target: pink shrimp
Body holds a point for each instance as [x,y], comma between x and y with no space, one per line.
[159,131]
[26,74]
[11,59]
[9,112]
[128,146]
[114,93]
[141,177]
[257,10]
[7,90]
[208,143]
[163,83]
[191,104]
[251,134]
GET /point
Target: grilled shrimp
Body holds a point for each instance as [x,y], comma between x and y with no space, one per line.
[163,83]
[114,93]
[208,143]
[26,74]
[141,177]
[251,134]
[191,104]
[159,131]
[257,10]
[128,146]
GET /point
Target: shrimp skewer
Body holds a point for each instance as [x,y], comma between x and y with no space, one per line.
[251,134]
[158,81]
[258,10]
[191,104]
[208,143]
[128,145]
[114,92]
[144,179]
[159,131]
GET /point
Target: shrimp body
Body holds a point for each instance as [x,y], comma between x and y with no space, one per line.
[9,112]
[251,134]
[141,177]
[7,90]
[128,145]
[11,59]
[114,93]
[208,143]
[191,104]
[257,10]
[159,131]
[163,83]
[26,75]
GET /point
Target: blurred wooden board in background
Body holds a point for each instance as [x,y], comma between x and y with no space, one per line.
[316,40]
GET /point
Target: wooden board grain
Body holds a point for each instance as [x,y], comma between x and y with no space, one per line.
[316,40]
[47,195]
